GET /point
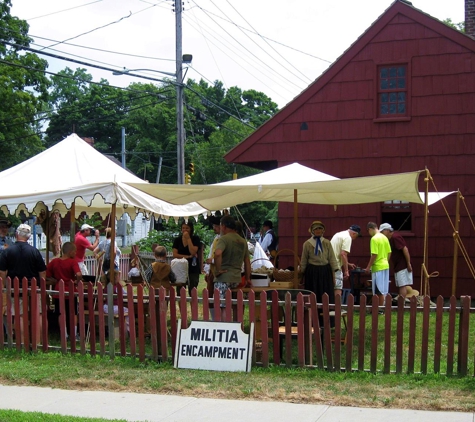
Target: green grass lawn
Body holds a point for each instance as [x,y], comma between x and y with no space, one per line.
[423,392]
[18,416]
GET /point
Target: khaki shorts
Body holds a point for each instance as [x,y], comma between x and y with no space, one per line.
[38,305]
[403,278]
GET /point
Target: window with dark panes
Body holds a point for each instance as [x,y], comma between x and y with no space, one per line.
[392,91]
[398,214]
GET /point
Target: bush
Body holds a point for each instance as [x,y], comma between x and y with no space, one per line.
[170,232]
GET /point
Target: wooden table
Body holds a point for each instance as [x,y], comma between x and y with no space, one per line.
[357,285]
[282,287]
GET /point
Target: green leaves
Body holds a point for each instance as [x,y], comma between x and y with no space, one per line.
[23,92]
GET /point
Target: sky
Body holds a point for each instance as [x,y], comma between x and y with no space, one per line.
[275,46]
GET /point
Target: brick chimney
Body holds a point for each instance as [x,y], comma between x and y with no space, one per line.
[90,141]
[470,17]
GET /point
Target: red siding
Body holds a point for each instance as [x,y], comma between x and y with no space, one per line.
[345,140]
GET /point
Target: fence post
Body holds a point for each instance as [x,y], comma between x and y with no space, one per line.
[462,357]
[110,319]
[425,334]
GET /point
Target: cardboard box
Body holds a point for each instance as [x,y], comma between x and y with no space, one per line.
[259,280]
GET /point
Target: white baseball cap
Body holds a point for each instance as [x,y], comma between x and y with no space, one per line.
[24,228]
[87,226]
[385,226]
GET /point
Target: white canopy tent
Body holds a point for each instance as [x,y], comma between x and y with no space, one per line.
[73,176]
[72,173]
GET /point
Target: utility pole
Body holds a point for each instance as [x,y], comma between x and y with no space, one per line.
[179,94]
[123,147]
[159,170]
[124,218]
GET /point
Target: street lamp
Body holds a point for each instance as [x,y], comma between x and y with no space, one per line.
[180,127]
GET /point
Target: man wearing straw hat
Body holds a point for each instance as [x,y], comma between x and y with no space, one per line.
[400,259]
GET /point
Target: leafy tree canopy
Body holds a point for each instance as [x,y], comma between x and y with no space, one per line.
[23,92]
[460,26]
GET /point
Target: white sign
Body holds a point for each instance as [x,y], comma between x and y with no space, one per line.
[215,346]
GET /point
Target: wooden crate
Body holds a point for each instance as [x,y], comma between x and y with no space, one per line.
[281,284]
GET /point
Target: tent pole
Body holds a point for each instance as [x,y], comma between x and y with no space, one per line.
[296,240]
[47,237]
[457,222]
[112,226]
[72,217]
[424,277]
[110,285]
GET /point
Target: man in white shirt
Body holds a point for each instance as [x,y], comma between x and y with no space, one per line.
[268,240]
[341,243]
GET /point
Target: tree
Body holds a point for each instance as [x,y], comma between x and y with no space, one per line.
[88,109]
[216,120]
[23,91]
[458,26]
[151,132]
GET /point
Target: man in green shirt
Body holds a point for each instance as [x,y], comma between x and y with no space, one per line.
[378,264]
[230,253]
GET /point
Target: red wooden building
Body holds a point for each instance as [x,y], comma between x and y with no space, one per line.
[401,98]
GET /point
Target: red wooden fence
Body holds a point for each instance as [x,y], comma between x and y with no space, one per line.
[291,328]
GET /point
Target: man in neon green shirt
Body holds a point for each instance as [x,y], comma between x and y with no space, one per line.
[379,262]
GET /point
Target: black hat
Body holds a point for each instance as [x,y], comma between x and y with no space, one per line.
[355,228]
[5,221]
[213,220]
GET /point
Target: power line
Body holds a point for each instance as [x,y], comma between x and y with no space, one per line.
[219,107]
[246,69]
[268,54]
[78,80]
[267,38]
[102,50]
[219,69]
[92,30]
[64,10]
[108,69]
[250,52]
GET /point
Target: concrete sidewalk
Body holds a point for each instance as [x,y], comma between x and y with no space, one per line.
[155,407]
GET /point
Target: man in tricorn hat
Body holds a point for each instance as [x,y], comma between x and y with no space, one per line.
[5,241]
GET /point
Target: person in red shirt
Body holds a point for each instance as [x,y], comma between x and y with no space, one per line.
[65,268]
[82,243]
